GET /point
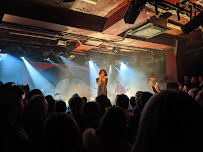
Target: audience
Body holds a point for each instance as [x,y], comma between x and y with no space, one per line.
[111,134]
[166,121]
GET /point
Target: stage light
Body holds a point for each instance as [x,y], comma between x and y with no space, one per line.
[71,57]
[91,63]
[123,66]
[38,79]
[61,43]
[116,50]
[22,58]
[94,73]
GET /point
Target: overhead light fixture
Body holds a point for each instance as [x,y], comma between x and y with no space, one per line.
[61,54]
[149,28]
[116,50]
[91,1]
[71,57]
[61,43]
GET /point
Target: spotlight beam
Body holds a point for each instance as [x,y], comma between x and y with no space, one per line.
[39,81]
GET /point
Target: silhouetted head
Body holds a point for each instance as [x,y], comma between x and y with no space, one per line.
[84,99]
[186,79]
[122,101]
[76,105]
[60,106]
[61,133]
[138,94]
[132,102]
[193,80]
[51,103]
[1,83]
[34,92]
[36,109]
[113,122]
[92,109]
[170,120]
[200,79]
[104,103]
[144,97]
[74,95]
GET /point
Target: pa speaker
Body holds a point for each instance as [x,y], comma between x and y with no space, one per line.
[193,24]
[134,10]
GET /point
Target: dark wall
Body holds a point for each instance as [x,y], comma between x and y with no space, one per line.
[189,61]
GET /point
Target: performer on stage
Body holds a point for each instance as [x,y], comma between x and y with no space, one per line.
[120,89]
[102,82]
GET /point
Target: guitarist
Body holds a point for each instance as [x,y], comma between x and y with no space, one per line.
[120,89]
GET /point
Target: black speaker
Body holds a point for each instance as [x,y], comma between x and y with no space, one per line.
[193,24]
[1,15]
[134,10]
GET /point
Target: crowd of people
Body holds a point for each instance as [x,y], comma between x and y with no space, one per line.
[192,83]
[167,120]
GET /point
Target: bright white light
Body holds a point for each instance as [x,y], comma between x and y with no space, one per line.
[123,66]
[91,64]
[22,58]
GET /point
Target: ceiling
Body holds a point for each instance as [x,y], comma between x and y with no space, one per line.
[99,26]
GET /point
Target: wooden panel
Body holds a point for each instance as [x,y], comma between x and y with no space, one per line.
[171,66]
[172,1]
[102,8]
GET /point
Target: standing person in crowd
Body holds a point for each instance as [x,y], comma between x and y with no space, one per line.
[186,81]
[200,82]
[102,82]
[155,88]
[12,136]
[193,83]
